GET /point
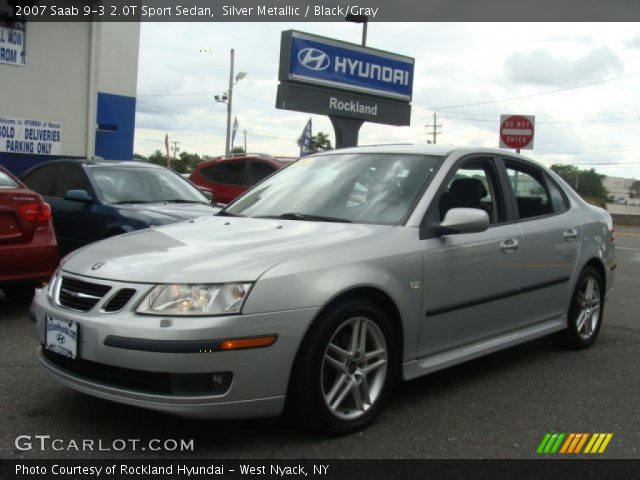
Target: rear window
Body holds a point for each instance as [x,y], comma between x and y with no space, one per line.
[7,181]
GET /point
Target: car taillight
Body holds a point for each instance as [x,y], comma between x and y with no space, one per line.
[35,212]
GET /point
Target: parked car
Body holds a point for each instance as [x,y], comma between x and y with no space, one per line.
[28,250]
[331,280]
[230,176]
[93,200]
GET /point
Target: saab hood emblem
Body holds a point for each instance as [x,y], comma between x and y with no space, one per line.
[98,265]
[313,59]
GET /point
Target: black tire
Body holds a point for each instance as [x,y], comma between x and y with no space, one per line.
[575,337]
[21,295]
[306,402]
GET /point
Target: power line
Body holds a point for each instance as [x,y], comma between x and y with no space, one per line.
[550,92]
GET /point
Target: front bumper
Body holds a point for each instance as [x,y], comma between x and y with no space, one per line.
[260,376]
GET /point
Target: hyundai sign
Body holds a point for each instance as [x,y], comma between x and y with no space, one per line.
[322,61]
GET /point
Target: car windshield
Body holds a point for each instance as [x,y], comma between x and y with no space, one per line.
[7,181]
[360,188]
[122,185]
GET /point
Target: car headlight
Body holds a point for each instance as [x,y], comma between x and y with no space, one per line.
[222,299]
[53,283]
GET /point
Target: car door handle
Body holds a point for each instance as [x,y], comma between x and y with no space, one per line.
[570,234]
[510,245]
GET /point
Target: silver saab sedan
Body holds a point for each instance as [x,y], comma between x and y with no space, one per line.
[325,284]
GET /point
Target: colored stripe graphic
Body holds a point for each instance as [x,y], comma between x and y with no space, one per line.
[573,443]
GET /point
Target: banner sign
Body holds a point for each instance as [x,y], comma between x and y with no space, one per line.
[331,63]
[12,42]
[36,137]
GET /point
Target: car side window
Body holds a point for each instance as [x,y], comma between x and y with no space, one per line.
[72,178]
[231,173]
[474,185]
[43,179]
[530,189]
[559,201]
[260,171]
[7,181]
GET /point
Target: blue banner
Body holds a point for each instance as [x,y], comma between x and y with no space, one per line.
[341,65]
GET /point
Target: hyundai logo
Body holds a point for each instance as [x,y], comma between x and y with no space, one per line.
[60,338]
[313,59]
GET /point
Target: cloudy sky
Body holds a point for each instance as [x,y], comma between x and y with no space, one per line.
[580,80]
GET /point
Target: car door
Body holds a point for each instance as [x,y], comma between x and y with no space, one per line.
[471,281]
[76,223]
[551,238]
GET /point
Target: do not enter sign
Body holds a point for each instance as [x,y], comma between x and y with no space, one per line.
[517,131]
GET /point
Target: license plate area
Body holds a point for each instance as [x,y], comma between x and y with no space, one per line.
[61,336]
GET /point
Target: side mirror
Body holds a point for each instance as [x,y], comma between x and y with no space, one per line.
[463,220]
[78,196]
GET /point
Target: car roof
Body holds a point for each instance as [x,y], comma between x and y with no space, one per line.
[100,162]
[429,149]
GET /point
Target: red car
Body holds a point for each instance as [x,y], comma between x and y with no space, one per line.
[28,249]
[230,176]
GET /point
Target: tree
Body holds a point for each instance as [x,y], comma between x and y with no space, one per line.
[588,183]
[238,149]
[140,158]
[634,189]
[320,142]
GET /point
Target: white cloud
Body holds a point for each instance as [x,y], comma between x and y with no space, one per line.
[542,68]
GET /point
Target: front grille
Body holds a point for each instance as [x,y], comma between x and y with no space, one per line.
[143,381]
[119,300]
[80,295]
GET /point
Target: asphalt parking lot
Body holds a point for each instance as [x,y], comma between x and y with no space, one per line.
[500,406]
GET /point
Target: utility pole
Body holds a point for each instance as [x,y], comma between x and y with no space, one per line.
[245,140]
[228,139]
[435,127]
[175,149]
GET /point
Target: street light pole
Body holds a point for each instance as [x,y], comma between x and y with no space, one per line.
[227,148]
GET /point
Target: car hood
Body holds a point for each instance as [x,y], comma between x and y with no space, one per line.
[210,249]
[163,213]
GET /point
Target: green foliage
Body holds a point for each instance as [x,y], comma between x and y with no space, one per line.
[320,142]
[588,183]
[238,149]
[634,189]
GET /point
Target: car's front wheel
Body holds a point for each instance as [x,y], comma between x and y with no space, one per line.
[21,294]
[345,369]
[585,310]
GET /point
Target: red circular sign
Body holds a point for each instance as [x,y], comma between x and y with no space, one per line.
[516,131]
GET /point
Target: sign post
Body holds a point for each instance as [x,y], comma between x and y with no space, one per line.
[517,131]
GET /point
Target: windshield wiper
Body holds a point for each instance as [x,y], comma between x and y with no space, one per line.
[304,216]
[123,202]
[179,200]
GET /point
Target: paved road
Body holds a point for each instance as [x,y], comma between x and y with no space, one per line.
[496,407]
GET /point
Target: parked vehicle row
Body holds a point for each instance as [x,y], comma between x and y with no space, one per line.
[318,289]
[72,203]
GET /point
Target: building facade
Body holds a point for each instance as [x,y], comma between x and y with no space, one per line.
[66,90]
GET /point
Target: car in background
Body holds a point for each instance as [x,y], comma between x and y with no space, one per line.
[28,249]
[230,176]
[319,288]
[93,200]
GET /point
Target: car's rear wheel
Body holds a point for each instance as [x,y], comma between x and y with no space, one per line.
[21,294]
[345,369]
[585,310]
